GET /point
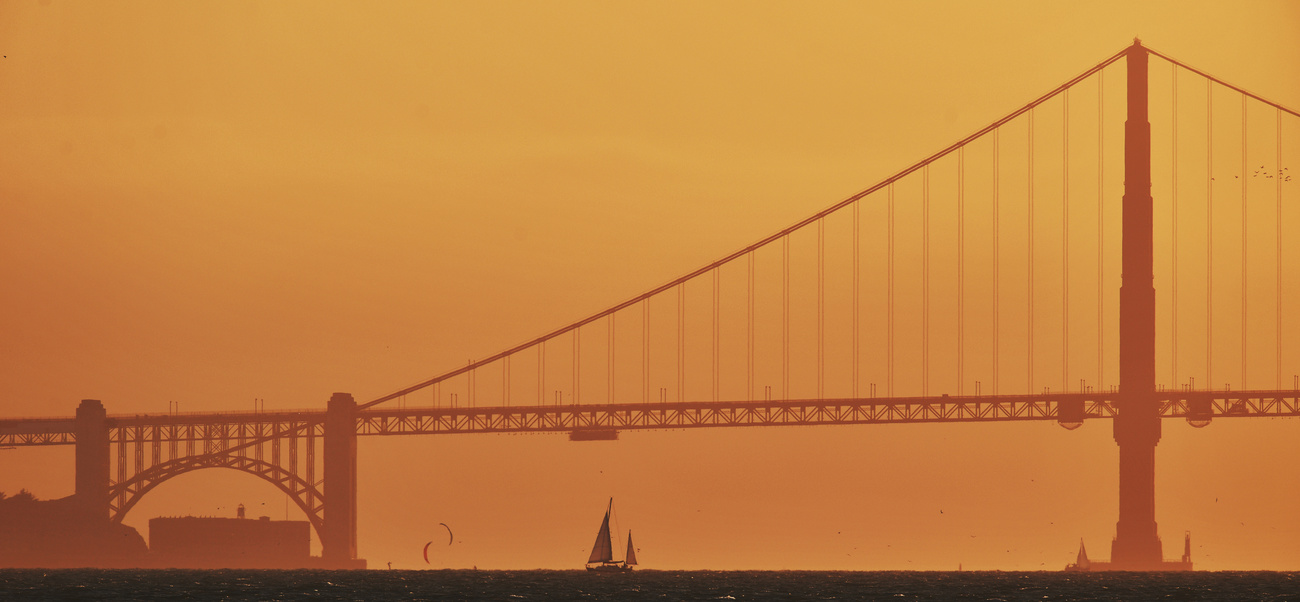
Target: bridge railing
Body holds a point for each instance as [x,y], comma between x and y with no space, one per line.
[212,417]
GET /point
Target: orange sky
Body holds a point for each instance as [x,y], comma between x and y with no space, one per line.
[213,203]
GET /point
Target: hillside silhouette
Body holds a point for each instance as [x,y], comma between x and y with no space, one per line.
[58,534]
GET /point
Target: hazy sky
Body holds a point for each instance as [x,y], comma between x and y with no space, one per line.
[210,203]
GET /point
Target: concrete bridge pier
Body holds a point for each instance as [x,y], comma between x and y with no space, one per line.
[339,531]
[92,459]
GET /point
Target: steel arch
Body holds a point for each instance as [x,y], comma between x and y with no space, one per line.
[123,496]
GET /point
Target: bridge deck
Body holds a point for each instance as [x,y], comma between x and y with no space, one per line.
[642,416]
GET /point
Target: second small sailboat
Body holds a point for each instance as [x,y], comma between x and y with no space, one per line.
[602,552]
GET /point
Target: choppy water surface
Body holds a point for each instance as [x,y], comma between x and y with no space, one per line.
[27,584]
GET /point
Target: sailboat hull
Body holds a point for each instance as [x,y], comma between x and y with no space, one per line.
[609,568]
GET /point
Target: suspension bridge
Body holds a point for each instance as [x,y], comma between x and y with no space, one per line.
[975,285]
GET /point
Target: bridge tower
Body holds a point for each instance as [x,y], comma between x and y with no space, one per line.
[339,532]
[92,459]
[1137,425]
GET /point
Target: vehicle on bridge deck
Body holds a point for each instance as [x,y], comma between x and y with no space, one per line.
[602,552]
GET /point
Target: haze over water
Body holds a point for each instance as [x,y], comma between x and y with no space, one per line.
[214,203]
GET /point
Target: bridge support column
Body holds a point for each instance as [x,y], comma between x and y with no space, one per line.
[339,529]
[1137,425]
[92,472]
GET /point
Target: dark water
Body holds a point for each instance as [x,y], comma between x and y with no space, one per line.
[27,584]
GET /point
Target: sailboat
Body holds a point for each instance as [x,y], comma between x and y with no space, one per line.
[602,552]
[1081,562]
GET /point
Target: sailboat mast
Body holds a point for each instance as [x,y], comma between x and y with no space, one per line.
[629,557]
[609,513]
[601,551]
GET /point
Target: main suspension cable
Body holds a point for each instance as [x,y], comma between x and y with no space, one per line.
[765,241]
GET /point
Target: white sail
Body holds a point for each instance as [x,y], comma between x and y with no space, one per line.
[603,549]
[631,551]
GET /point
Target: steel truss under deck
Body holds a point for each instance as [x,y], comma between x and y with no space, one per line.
[216,432]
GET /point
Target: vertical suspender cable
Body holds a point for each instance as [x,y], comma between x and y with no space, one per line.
[1030,281]
[821,308]
[1101,229]
[961,269]
[749,369]
[1065,241]
[577,365]
[1278,287]
[785,317]
[681,342]
[609,354]
[925,280]
[1209,233]
[645,350]
[889,294]
[1173,201]
[505,381]
[1244,240]
[856,277]
[541,373]
[996,269]
[717,330]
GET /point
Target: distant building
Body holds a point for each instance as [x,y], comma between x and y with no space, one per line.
[234,543]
